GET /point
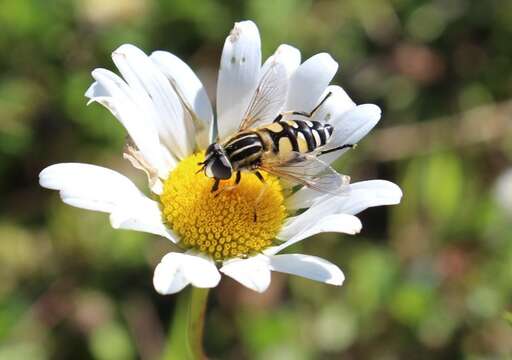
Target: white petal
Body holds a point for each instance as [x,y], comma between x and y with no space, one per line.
[112,92]
[168,277]
[310,267]
[335,106]
[239,73]
[190,88]
[151,84]
[304,226]
[100,189]
[286,55]
[253,272]
[359,196]
[88,186]
[351,127]
[365,194]
[142,214]
[177,270]
[502,191]
[309,81]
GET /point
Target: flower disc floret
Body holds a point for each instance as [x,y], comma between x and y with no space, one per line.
[235,221]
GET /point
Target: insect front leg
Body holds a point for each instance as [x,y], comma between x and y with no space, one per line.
[215,186]
[238,178]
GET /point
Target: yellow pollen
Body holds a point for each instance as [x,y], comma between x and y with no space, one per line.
[234,221]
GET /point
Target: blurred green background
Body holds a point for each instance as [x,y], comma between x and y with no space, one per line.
[429,279]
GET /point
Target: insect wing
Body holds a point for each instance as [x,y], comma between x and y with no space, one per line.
[269,97]
[309,171]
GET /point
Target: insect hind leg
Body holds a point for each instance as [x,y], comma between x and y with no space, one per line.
[303,113]
[258,199]
[345,146]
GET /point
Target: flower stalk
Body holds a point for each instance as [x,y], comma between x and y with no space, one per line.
[185,339]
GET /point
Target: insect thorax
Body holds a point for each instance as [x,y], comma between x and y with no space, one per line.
[244,150]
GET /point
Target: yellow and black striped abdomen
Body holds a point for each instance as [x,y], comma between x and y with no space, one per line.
[298,135]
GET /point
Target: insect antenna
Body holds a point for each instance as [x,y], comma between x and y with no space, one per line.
[202,164]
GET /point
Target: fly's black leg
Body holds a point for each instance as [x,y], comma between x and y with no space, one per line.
[278,118]
[303,113]
[262,191]
[259,197]
[215,186]
[228,187]
[351,146]
[259,176]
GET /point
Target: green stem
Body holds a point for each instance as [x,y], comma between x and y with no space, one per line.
[196,317]
[185,339]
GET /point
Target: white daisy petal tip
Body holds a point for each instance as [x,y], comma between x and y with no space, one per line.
[168,278]
[286,55]
[126,49]
[309,81]
[289,55]
[356,228]
[310,267]
[253,273]
[395,193]
[247,28]
[328,61]
[373,111]
[177,270]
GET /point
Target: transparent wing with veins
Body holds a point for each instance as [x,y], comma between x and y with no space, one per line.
[269,97]
[307,170]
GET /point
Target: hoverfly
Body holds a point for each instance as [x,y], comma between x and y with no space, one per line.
[276,143]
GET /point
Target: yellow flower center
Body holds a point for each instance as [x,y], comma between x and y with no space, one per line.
[234,221]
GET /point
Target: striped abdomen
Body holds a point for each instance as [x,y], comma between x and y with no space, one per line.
[298,135]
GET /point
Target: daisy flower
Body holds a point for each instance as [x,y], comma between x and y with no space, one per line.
[170,122]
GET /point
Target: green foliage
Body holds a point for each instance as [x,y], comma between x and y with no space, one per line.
[508,317]
[111,342]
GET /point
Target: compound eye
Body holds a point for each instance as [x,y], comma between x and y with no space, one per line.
[210,149]
[221,168]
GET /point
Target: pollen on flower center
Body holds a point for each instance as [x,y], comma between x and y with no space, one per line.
[234,221]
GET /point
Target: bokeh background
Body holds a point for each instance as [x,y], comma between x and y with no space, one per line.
[428,279]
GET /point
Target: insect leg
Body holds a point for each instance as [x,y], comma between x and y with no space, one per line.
[259,176]
[303,113]
[258,198]
[278,118]
[231,187]
[215,186]
[345,146]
